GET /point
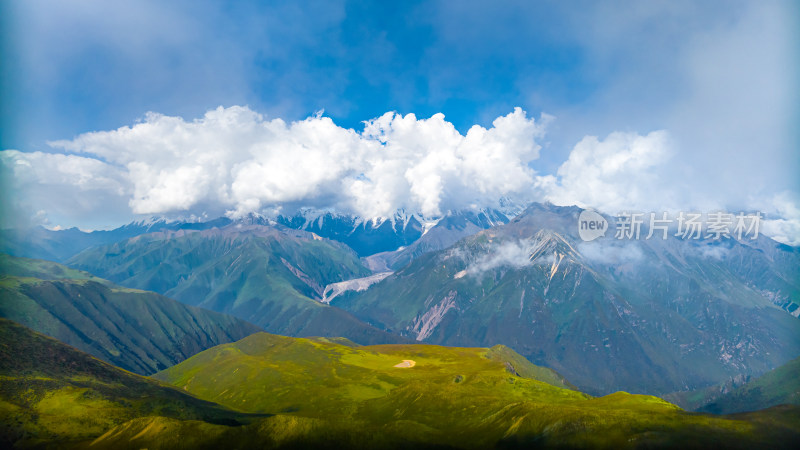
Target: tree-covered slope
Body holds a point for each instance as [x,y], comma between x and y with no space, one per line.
[140,331]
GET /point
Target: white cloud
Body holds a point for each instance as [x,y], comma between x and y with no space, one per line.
[615,174]
[85,174]
[631,172]
[513,254]
[714,252]
[782,221]
[42,188]
[234,160]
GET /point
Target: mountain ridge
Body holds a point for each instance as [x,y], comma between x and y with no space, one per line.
[268,275]
[138,330]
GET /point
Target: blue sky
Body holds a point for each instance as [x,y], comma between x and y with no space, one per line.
[101,66]
[82,66]
[717,76]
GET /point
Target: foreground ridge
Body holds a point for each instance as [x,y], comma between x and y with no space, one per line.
[332,393]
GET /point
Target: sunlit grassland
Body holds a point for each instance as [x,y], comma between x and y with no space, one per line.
[463,397]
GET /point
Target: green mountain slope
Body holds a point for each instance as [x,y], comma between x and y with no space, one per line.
[52,395]
[776,387]
[321,377]
[140,331]
[449,397]
[648,316]
[258,273]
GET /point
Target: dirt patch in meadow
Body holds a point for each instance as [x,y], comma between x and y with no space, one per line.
[406,364]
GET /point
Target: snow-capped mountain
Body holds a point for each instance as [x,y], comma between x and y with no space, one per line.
[442,233]
[401,231]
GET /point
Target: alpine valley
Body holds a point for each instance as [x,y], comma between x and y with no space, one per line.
[481,328]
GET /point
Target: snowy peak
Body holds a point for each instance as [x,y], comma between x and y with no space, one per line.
[365,236]
[369,236]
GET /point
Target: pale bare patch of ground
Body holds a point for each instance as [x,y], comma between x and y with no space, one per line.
[406,364]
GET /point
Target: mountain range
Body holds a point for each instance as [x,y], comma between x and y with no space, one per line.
[651,316]
[364,236]
[508,325]
[441,234]
[59,245]
[268,276]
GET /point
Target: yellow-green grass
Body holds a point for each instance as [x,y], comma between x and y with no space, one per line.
[329,393]
[53,394]
[464,397]
[319,378]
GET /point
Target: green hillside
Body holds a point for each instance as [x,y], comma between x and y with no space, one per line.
[460,397]
[266,372]
[776,387]
[51,393]
[257,273]
[330,393]
[140,331]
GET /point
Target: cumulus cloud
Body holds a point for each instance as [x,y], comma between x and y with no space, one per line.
[644,173]
[86,174]
[236,161]
[615,174]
